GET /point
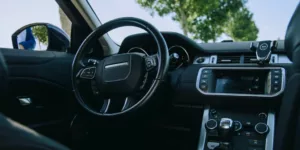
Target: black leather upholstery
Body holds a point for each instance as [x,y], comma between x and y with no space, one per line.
[287,124]
[292,38]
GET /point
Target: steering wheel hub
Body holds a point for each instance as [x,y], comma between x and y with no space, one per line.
[120,74]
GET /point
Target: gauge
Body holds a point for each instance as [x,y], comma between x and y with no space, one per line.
[178,57]
[138,50]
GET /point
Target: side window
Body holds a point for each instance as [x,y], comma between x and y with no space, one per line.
[34,25]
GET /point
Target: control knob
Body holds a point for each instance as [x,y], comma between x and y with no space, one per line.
[261,128]
[211,124]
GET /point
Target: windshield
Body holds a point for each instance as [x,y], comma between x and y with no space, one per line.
[218,20]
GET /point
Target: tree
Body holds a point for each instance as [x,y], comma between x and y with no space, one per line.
[241,27]
[201,19]
[41,33]
[65,22]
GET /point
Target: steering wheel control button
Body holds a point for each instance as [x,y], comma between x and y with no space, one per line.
[88,73]
[212,145]
[150,62]
[211,124]
[261,128]
[237,125]
[92,61]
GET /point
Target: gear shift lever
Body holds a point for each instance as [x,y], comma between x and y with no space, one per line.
[226,127]
[263,50]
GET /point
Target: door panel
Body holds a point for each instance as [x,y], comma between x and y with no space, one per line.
[45,78]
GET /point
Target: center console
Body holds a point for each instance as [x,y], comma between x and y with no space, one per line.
[237,129]
[241,81]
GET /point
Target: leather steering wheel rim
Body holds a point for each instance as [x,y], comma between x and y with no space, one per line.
[162,62]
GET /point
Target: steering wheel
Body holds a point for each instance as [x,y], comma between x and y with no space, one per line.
[119,75]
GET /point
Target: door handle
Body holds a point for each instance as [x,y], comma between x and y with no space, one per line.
[24,101]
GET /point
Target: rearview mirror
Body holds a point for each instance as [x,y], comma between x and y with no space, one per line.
[41,37]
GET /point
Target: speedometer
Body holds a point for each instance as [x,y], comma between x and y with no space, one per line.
[178,57]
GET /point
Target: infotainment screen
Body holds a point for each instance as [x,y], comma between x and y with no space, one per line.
[241,81]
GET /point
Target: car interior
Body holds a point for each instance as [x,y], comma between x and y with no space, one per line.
[156,90]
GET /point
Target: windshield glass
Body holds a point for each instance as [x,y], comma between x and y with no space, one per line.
[238,20]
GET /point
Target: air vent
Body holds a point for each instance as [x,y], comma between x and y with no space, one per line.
[228,59]
[250,59]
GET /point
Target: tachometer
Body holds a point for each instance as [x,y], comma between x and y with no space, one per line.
[178,57]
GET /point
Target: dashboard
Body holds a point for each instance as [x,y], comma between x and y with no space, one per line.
[188,57]
[230,83]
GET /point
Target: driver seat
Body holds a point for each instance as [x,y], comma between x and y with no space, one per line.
[287,133]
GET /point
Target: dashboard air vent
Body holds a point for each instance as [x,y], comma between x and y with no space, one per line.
[228,59]
[249,59]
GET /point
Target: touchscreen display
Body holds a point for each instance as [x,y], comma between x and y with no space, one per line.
[240,82]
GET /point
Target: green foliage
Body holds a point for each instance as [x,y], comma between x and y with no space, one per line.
[241,27]
[41,33]
[200,19]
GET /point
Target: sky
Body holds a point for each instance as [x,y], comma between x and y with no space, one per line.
[270,16]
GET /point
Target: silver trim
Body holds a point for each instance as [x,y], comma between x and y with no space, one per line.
[275,56]
[225,123]
[241,68]
[185,51]
[72,122]
[86,69]
[262,113]
[125,104]
[267,129]
[116,65]
[143,51]
[213,59]
[105,106]
[238,129]
[211,127]
[270,136]
[263,58]
[202,137]
[24,101]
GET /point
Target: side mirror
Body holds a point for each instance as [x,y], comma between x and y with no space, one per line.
[41,37]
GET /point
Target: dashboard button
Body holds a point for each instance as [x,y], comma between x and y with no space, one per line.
[276,76]
[203,81]
[275,88]
[276,71]
[203,87]
[254,142]
[276,82]
[206,71]
[204,76]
